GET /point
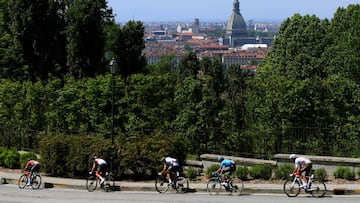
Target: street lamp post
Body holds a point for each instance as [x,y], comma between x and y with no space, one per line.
[113,66]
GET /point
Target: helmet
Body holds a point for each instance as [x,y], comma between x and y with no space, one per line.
[292,156]
[30,159]
[220,158]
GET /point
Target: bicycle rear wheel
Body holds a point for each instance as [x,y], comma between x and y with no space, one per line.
[237,186]
[182,184]
[91,183]
[291,189]
[317,188]
[36,182]
[22,181]
[214,186]
[161,184]
[109,184]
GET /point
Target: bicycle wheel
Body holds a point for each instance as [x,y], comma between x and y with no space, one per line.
[36,182]
[22,181]
[109,184]
[236,186]
[317,188]
[91,183]
[182,184]
[291,188]
[214,186]
[161,184]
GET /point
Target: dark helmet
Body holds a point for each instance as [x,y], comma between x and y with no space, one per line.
[220,158]
[30,159]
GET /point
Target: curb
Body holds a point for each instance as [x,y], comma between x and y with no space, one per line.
[46,185]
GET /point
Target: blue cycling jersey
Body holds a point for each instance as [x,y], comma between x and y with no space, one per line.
[226,163]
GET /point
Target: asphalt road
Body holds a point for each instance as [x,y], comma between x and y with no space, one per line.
[12,194]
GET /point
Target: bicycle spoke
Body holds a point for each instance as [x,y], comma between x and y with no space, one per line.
[91,183]
[317,188]
[291,189]
[214,186]
[182,184]
[161,184]
[22,181]
[236,186]
[36,181]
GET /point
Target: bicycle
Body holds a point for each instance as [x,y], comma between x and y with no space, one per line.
[179,183]
[92,182]
[232,186]
[35,180]
[316,187]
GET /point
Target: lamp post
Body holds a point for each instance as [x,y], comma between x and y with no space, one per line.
[113,66]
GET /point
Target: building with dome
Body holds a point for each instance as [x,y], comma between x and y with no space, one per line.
[236,30]
[236,26]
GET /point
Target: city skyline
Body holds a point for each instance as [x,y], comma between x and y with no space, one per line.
[211,10]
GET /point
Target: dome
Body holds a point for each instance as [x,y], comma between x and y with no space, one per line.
[236,26]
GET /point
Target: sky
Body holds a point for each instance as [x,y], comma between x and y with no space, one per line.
[220,10]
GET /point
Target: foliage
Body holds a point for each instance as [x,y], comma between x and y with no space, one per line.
[128,48]
[25,156]
[321,173]
[344,173]
[283,170]
[191,173]
[10,159]
[242,172]
[261,172]
[212,168]
[141,155]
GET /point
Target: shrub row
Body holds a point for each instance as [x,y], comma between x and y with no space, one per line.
[10,158]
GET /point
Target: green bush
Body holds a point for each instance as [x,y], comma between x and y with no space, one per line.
[211,169]
[24,157]
[191,173]
[321,173]
[3,154]
[242,172]
[344,173]
[261,172]
[12,159]
[282,171]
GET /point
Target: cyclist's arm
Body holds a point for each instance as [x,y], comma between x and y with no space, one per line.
[164,168]
[93,167]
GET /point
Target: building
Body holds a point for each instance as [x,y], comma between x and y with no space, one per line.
[236,30]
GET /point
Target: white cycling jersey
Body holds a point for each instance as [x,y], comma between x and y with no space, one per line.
[171,161]
[302,160]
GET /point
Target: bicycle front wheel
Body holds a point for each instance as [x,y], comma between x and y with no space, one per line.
[161,184]
[236,186]
[291,188]
[214,186]
[317,188]
[22,181]
[36,182]
[91,183]
[182,184]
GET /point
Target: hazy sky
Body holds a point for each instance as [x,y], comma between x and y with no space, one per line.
[220,10]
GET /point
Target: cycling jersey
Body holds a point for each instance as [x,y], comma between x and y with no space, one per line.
[301,161]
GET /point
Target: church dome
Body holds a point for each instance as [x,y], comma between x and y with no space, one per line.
[236,26]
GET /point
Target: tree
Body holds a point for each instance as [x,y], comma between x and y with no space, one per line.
[86,39]
[288,89]
[129,48]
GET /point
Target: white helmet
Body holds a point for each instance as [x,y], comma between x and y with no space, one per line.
[292,156]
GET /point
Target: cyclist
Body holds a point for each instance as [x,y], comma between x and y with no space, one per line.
[101,168]
[302,164]
[32,166]
[170,165]
[227,168]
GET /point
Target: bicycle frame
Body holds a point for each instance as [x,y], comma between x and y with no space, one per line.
[315,187]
